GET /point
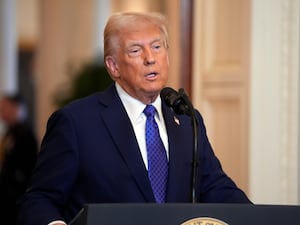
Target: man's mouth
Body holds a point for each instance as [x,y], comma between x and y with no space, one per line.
[151,75]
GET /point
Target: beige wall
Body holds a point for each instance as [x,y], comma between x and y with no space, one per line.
[221,80]
[66,41]
[28,22]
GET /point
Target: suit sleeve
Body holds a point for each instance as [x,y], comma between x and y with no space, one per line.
[214,184]
[49,188]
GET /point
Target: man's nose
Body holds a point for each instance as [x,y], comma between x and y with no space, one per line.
[149,58]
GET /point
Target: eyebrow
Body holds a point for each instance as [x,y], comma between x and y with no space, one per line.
[137,43]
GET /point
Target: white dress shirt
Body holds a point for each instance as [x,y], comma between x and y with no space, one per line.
[134,109]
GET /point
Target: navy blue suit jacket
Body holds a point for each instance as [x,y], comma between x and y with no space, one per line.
[90,155]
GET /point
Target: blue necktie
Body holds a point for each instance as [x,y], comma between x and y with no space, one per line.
[157,158]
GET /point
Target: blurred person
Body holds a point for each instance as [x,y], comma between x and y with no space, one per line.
[97,149]
[18,150]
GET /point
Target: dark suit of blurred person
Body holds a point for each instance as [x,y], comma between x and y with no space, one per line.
[18,150]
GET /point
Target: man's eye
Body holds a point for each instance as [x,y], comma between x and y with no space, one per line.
[156,47]
[134,52]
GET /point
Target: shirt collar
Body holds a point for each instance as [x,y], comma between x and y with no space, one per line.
[135,107]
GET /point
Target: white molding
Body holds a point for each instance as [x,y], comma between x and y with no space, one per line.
[290,99]
[8,46]
[274,102]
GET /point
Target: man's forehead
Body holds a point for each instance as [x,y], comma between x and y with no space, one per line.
[141,35]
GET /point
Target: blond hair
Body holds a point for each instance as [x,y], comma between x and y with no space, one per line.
[120,22]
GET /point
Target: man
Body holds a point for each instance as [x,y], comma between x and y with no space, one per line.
[95,150]
[18,151]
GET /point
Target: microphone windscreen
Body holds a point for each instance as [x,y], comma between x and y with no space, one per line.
[169,95]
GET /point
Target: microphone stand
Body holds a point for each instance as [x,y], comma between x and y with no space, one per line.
[195,163]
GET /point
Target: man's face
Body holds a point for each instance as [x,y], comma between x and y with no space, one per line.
[141,63]
[8,111]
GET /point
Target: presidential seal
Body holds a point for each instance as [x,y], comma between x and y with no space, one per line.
[204,221]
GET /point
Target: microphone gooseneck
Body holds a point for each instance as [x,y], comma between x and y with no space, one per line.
[180,104]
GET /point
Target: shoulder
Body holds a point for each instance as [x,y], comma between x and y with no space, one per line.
[87,107]
[91,102]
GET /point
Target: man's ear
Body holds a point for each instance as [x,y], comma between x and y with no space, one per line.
[112,66]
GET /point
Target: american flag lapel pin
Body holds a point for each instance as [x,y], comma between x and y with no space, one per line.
[176,120]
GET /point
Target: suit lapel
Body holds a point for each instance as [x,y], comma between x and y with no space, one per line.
[179,155]
[122,133]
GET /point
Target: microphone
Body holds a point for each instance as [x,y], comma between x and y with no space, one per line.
[174,100]
[180,104]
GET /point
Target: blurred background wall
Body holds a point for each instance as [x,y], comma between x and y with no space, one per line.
[237,59]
